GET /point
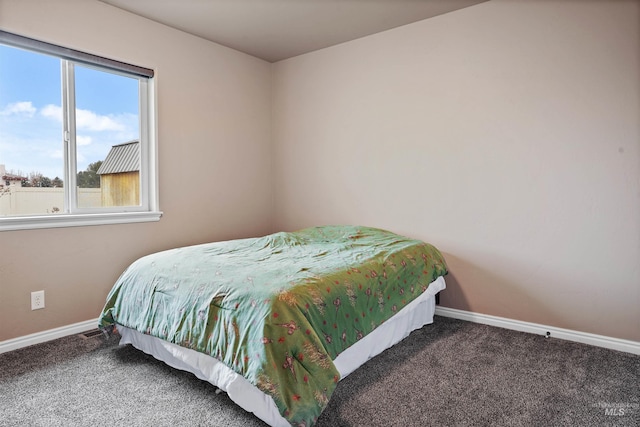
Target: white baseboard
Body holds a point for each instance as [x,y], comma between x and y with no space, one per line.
[51,334]
[534,328]
[485,319]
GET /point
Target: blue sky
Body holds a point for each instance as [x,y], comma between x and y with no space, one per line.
[31,114]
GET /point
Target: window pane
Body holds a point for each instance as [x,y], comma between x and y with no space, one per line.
[31,147]
[74,139]
[107,139]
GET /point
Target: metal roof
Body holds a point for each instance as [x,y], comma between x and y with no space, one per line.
[11,177]
[122,158]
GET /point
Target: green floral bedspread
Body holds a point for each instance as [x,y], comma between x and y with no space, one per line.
[276,309]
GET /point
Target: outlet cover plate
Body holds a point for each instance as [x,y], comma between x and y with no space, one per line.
[37,300]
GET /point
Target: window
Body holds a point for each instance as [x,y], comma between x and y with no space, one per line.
[77,141]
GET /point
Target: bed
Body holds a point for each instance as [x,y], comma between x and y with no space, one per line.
[277,321]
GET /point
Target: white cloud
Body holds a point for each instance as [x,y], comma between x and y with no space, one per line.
[52,112]
[89,120]
[83,140]
[25,108]
[85,119]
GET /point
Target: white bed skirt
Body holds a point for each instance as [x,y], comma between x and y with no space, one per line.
[414,316]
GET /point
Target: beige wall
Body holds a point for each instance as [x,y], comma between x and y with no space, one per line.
[214,112]
[506,133]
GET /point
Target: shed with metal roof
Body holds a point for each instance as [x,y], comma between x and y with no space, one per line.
[120,175]
[123,157]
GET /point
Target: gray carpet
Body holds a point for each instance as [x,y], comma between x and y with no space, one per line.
[451,373]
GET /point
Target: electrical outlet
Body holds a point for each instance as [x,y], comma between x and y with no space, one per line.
[37,300]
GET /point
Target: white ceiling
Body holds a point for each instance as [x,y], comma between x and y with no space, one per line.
[278,29]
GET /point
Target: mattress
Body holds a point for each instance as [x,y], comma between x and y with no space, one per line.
[413,316]
[278,310]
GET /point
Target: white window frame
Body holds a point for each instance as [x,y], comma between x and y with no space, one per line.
[73,215]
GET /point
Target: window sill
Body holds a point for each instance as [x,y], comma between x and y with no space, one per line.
[75,220]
